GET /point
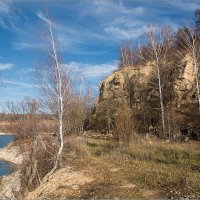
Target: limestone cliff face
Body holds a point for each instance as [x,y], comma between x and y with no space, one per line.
[115,85]
[117,88]
[184,86]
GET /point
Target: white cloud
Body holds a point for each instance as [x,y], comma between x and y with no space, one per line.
[104,8]
[4,66]
[107,6]
[92,70]
[4,7]
[124,34]
[73,38]
[185,4]
[9,16]
[118,21]
[111,22]
[5,11]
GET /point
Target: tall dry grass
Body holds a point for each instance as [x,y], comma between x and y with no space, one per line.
[154,164]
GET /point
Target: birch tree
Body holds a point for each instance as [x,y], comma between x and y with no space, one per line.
[190,44]
[159,42]
[54,83]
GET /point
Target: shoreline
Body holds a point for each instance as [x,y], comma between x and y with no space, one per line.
[11,184]
[3,133]
[11,154]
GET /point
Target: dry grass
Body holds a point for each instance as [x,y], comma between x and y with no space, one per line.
[5,127]
[106,184]
[173,168]
[144,168]
[13,126]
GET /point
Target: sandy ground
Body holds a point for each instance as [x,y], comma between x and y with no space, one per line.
[64,183]
[1,133]
[11,153]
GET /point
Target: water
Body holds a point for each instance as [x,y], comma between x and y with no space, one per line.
[6,167]
[5,140]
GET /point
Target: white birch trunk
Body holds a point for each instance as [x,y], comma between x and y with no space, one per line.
[161,98]
[58,74]
[197,84]
[196,76]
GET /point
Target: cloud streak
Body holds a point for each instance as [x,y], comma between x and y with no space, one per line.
[4,66]
[10,16]
[111,23]
[19,83]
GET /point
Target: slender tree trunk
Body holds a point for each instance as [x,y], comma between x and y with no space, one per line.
[161,98]
[197,80]
[59,100]
[169,127]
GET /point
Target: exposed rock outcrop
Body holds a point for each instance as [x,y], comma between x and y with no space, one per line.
[184,85]
[115,86]
[126,86]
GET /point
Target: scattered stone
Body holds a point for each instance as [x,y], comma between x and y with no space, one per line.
[186,139]
[114,169]
[129,186]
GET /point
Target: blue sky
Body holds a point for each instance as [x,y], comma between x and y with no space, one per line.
[88,32]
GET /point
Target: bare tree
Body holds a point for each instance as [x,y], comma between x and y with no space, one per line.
[190,44]
[54,83]
[80,106]
[24,121]
[159,43]
[127,58]
[126,54]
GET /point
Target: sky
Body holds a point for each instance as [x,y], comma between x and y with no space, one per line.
[89,33]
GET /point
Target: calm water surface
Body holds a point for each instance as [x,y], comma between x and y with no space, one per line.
[6,167]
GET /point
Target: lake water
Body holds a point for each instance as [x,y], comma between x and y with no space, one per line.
[5,140]
[6,167]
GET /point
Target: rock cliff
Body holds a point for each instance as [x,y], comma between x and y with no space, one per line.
[130,85]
